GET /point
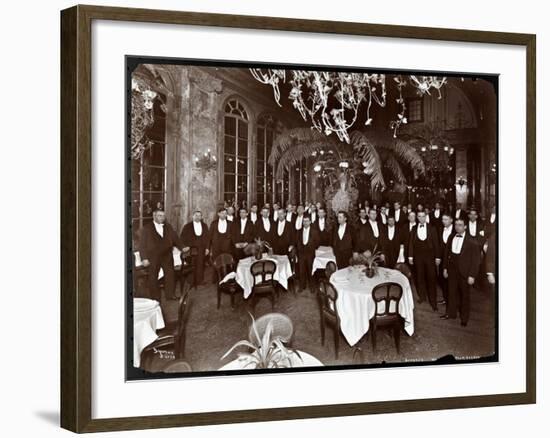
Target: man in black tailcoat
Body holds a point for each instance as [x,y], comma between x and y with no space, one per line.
[283,235]
[424,255]
[195,235]
[157,241]
[460,265]
[221,235]
[243,233]
[390,243]
[343,241]
[307,242]
[323,228]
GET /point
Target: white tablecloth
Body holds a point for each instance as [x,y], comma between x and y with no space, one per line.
[305,360]
[323,255]
[175,256]
[244,278]
[355,305]
[147,320]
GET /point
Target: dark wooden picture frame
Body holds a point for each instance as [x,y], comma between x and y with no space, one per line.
[76,214]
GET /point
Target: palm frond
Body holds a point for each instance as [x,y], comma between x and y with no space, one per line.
[294,155]
[365,150]
[406,154]
[395,169]
[289,138]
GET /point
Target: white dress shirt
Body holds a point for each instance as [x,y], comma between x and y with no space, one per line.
[253,217]
[437,213]
[280,227]
[446,233]
[391,232]
[457,214]
[383,216]
[266,223]
[305,235]
[363,221]
[197,226]
[299,220]
[313,216]
[493,217]
[457,243]
[322,223]
[159,228]
[374,227]
[472,228]
[275,214]
[230,217]
[411,225]
[243,225]
[222,226]
[289,216]
[341,231]
[396,214]
[421,231]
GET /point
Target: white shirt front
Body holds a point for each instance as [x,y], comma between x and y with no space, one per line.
[322,223]
[289,216]
[280,227]
[197,226]
[427,218]
[341,231]
[411,225]
[396,214]
[391,232]
[159,228]
[447,232]
[421,231]
[253,217]
[457,244]
[363,221]
[472,228]
[436,213]
[493,217]
[383,216]
[299,220]
[457,214]
[374,227]
[305,235]
[313,217]
[222,226]
[230,217]
[243,225]
[275,214]
[267,223]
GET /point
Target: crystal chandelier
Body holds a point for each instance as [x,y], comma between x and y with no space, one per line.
[331,100]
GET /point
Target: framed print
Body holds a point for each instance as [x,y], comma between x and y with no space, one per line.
[311,208]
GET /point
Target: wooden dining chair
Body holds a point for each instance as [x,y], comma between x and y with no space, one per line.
[327,296]
[281,324]
[293,279]
[330,269]
[386,297]
[170,345]
[225,264]
[264,284]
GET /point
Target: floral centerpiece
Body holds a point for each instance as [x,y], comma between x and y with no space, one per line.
[266,351]
[369,259]
[257,248]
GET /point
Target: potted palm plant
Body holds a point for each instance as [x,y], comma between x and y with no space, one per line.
[369,259]
[266,351]
[257,248]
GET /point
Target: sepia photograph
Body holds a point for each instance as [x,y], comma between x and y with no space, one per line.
[299,218]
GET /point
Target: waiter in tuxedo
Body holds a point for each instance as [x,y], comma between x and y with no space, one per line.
[254,215]
[424,255]
[157,241]
[243,233]
[283,235]
[220,235]
[343,241]
[306,243]
[446,233]
[264,227]
[400,218]
[476,227]
[195,235]
[313,213]
[490,262]
[460,213]
[460,266]
[391,243]
[368,235]
[322,226]
[436,216]
[299,219]
[407,230]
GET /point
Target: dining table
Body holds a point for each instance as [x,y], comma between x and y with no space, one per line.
[243,276]
[355,305]
[148,319]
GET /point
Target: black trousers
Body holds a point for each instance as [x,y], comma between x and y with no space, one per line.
[198,265]
[459,294]
[426,278]
[342,258]
[305,265]
[166,262]
[443,284]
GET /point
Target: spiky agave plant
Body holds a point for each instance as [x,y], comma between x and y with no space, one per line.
[268,351]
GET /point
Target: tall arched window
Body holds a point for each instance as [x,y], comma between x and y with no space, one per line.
[265,181]
[235,153]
